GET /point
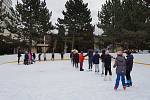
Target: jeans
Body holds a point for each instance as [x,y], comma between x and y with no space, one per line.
[122,77]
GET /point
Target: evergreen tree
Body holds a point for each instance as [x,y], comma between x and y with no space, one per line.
[77,19]
[119,18]
[35,19]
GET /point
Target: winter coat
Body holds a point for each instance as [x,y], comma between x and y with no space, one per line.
[90,55]
[107,61]
[19,54]
[102,57]
[76,57]
[30,56]
[96,58]
[81,58]
[129,62]
[120,64]
[26,57]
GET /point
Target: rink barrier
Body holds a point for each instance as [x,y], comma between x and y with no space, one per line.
[12,62]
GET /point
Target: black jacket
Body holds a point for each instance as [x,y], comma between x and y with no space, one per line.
[129,62]
[107,61]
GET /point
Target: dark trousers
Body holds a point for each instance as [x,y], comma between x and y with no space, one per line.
[128,77]
[76,64]
[18,60]
[108,69]
[90,63]
[81,66]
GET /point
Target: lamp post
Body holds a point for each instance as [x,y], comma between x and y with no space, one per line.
[65,47]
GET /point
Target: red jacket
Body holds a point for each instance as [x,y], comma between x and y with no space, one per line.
[81,58]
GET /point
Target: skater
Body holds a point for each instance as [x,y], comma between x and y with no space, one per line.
[90,57]
[53,56]
[76,59]
[62,55]
[81,60]
[120,65]
[39,56]
[30,57]
[19,55]
[129,66]
[107,65]
[44,56]
[71,56]
[96,58]
[26,58]
[34,57]
[102,60]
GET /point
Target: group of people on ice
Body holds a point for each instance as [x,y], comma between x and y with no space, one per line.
[123,64]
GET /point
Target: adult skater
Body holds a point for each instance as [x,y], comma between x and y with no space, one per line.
[34,57]
[76,58]
[30,57]
[62,55]
[71,56]
[129,66]
[53,56]
[39,57]
[44,56]
[102,60]
[120,65]
[19,55]
[96,58]
[90,57]
[81,60]
[107,65]
[26,58]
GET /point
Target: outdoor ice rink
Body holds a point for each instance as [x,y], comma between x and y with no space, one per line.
[58,80]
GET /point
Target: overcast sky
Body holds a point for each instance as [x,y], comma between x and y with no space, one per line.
[56,6]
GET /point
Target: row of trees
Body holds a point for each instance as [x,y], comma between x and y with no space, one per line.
[31,21]
[125,23]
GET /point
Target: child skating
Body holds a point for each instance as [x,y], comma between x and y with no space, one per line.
[120,65]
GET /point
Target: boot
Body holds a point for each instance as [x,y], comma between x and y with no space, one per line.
[124,87]
[115,88]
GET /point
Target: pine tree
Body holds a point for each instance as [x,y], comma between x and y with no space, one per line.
[35,19]
[77,19]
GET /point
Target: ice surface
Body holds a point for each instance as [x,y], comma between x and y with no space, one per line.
[58,80]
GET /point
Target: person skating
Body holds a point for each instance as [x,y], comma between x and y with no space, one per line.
[44,56]
[39,57]
[76,59]
[96,58]
[102,60]
[53,56]
[26,58]
[30,57]
[129,66]
[71,56]
[120,65]
[19,56]
[34,57]
[62,55]
[107,65]
[90,56]
[81,60]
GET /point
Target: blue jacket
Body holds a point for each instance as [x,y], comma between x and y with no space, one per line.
[96,58]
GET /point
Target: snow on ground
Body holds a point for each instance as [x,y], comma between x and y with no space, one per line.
[58,80]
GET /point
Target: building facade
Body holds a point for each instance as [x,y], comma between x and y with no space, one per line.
[6,4]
